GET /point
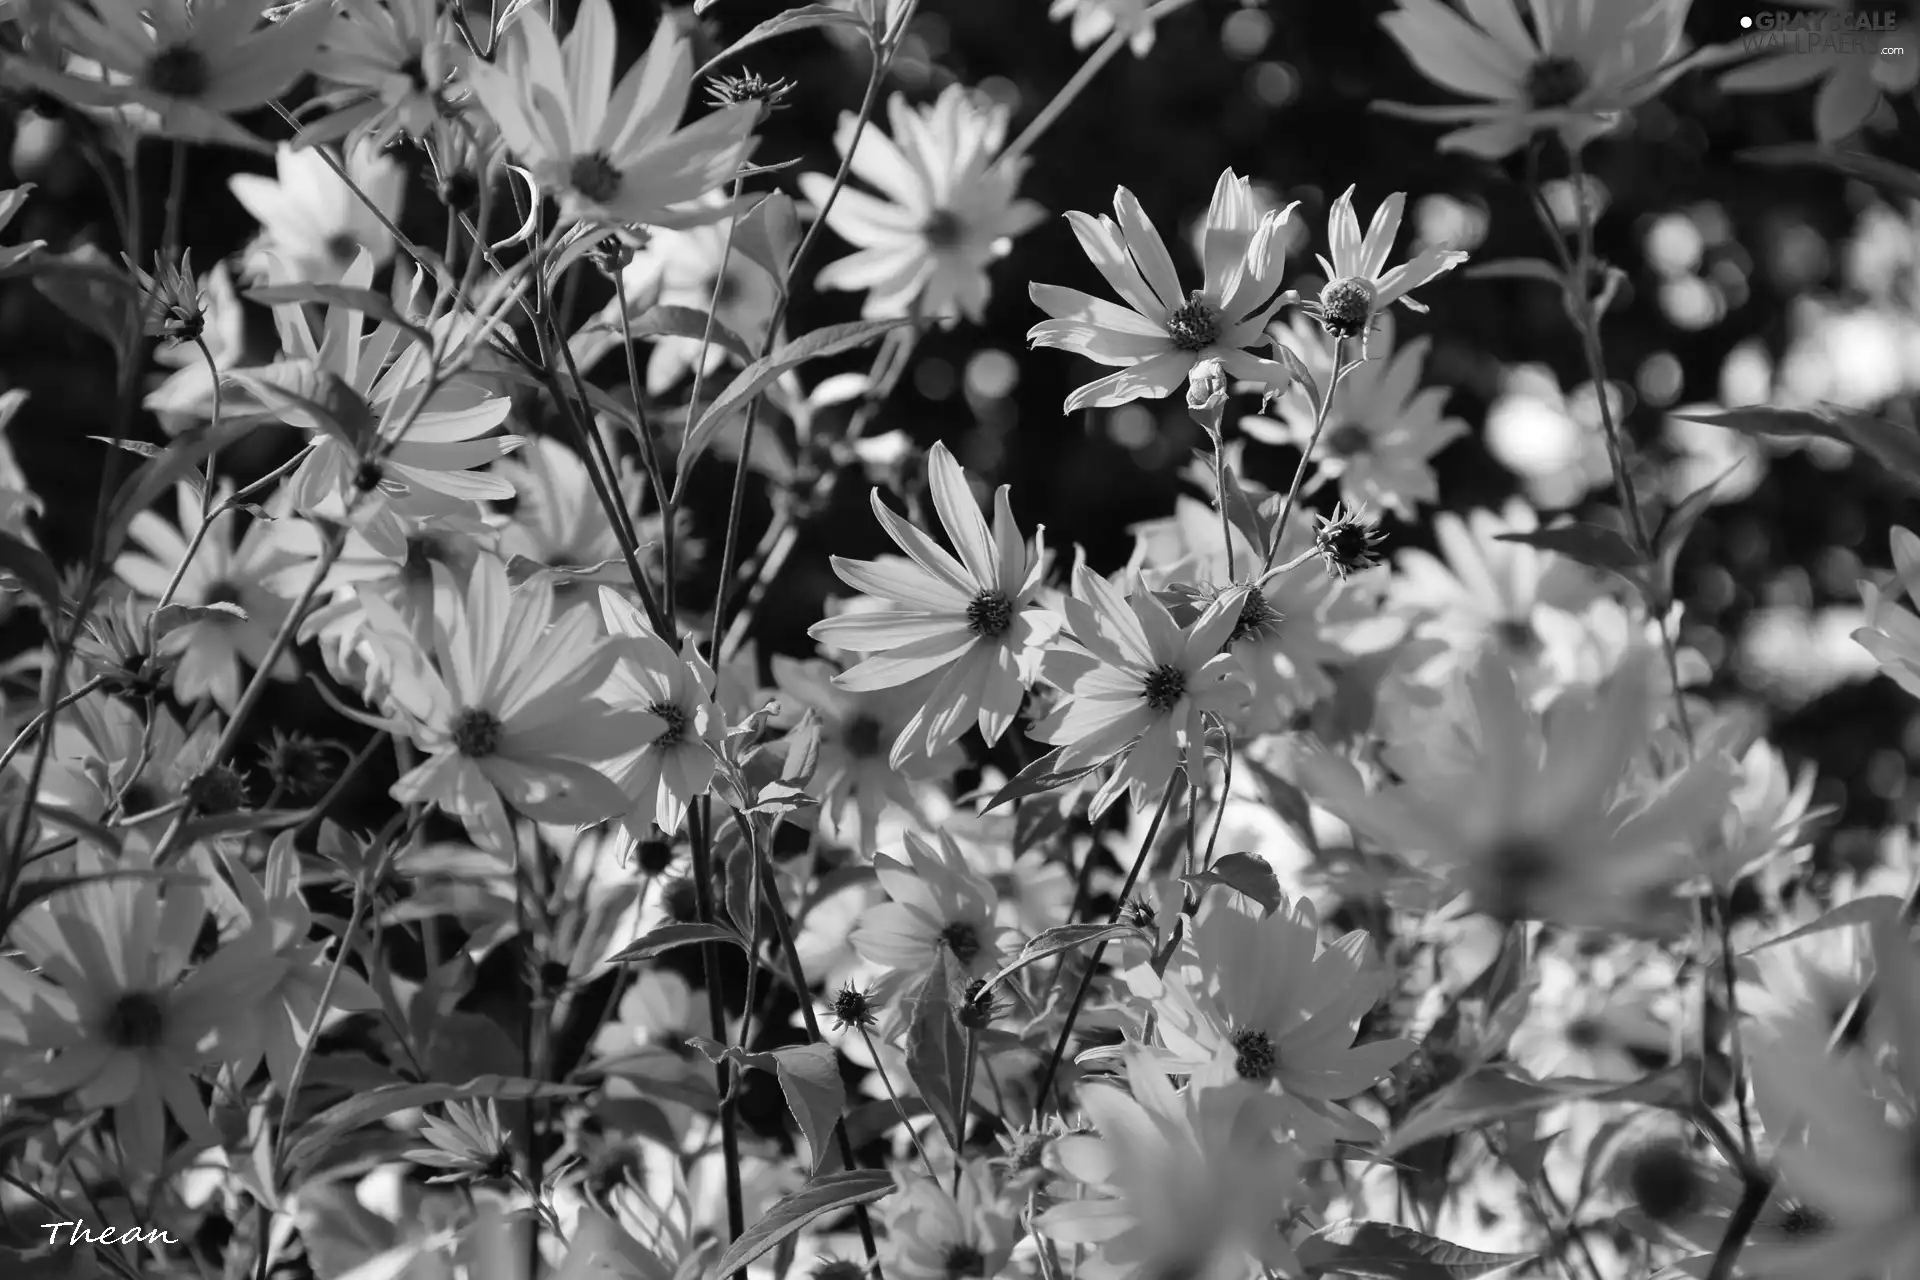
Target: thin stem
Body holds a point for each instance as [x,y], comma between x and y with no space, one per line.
[880,1068]
[34,725]
[1093,964]
[717,1020]
[964,1104]
[1306,457]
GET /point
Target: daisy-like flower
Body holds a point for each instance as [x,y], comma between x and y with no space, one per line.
[469,1143]
[1132,680]
[111,1011]
[389,65]
[1348,542]
[1267,1006]
[557,519]
[1529,815]
[1577,72]
[1161,333]
[1183,1186]
[192,67]
[684,727]
[970,618]
[945,213]
[1848,1130]
[853,778]
[188,391]
[934,1233]
[312,224]
[936,904]
[1359,286]
[1802,48]
[611,152]
[1383,428]
[1892,633]
[210,649]
[678,269]
[505,711]
[1095,20]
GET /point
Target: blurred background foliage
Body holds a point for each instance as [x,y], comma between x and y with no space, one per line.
[1745,284]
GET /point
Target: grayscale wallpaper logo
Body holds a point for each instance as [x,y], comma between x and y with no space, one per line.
[1869,33]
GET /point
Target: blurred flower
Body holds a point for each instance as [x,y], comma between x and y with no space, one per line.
[231,615]
[1853,80]
[1892,633]
[468,1143]
[1553,441]
[1576,73]
[937,904]
[193,68]
[388,66]
[1161,334]
[969,619]
[682,728]
[1359,287]
[505,713]
[313,222]
[1094,20]
[1382,430]
[1134,681]
[612,153]
[557,519]
[947,208]
[934,1234]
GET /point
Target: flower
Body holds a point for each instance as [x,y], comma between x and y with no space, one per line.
[947,208]
[505,712]
[1576,73]
[313,222]
[188,390]
[1262,1004]
[1382,428]
[937,1234]
[969,618]
[1183,1186]
[674,692]
[1161,334]
[191,67]
[611,152]
[1095,20]
[935,904]
[1852,83]
[233,616]
[1892,633]
[1134,681]
[1359,288]
[1348,542]
[390,65]
[109,1013]
[469,1143]
[1540,818]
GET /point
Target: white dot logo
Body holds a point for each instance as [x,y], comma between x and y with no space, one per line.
[1746,22]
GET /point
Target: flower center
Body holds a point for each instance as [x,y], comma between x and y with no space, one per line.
[961,939]
[1194,325]
[179,71]
[1514,870]
[1664,1182]
[676,724]
[1257,619]
[1253,1054]
[989,614]
[137,1021]
[1346,305]
[1517,636]
[594,177]
[1584,1033]
[221,591]
[1348,440]
[862,737]
[964,1260]
[476,733]
[1165,685]
[943,229]
[1799,1220]
[342,247]
[1554,82]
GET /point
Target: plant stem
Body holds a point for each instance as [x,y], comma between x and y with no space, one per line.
[1306,457]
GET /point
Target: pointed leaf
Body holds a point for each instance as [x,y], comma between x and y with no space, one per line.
[1515,269]
[809,1076]
[1588,544]
[156,476]
[1675,527]
[937,1048]
[1383,1251]
[1054,941]
[780,24]
[1246,874]
[669,936]
[1893,446]
[1896,178]
[31,566]
[768,234]
[175,616]
[362,1109]
[1872,909]
[829,1193]
[1036,779]
[1246,514]
[833,340]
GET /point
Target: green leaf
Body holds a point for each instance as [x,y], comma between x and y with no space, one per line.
[1036,779]
[937,1048]
[777,799]
[1246,514]
[833,340]
[669,936]
[1245,874]
[1675,527]
[768,234]
[1855,911]
[157,476]
[1382,1251]
[319,1133]
[368,302]
[1588,544]
[1515,269]
[220,824]
[31,566]
[829,1193]
[809,1076]
[1897,178]
[1494,1094]
[601,335]
[175,616]
[1054,941]
[780,24]
[1893,446]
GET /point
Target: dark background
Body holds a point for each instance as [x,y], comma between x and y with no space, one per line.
[1164,126]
